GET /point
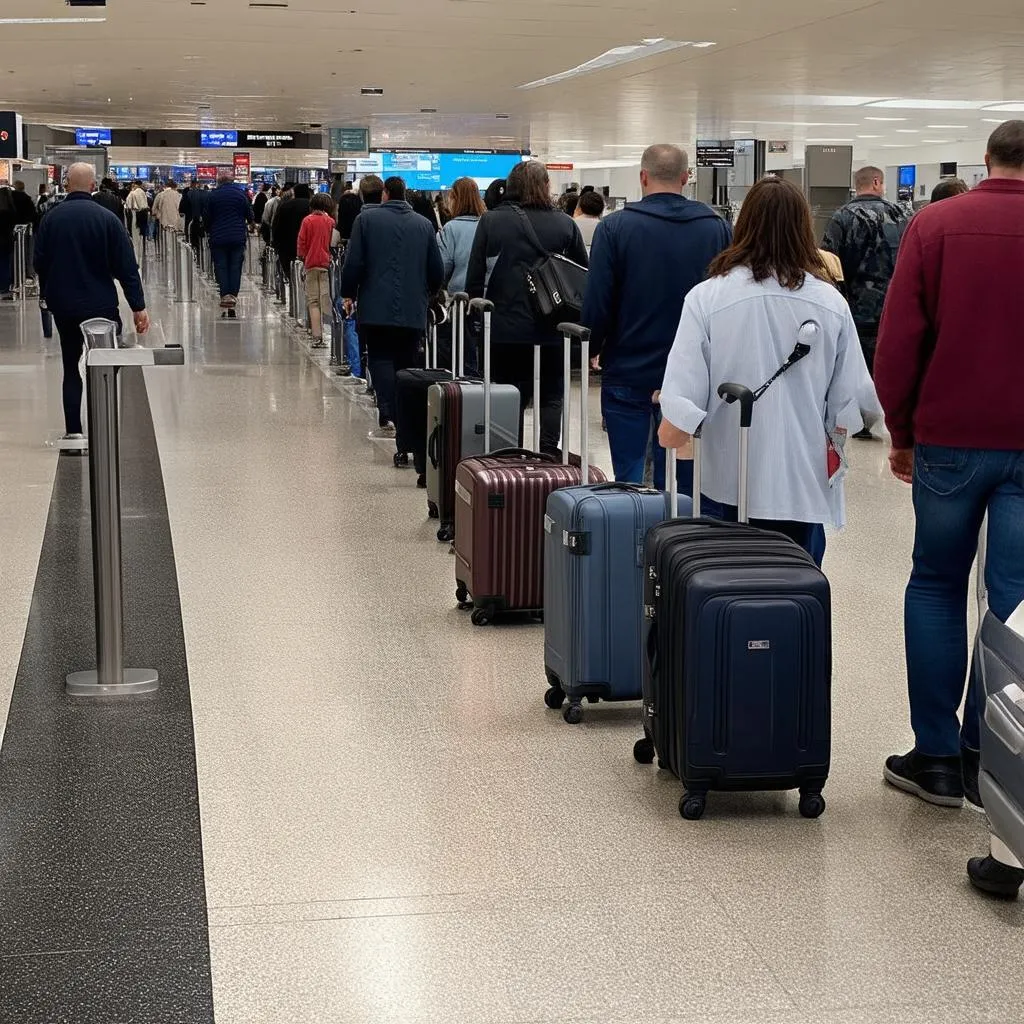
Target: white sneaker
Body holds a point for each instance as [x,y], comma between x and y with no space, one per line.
[73,437]
[385,433]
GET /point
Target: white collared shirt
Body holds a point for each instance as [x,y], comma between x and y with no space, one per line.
[737,330]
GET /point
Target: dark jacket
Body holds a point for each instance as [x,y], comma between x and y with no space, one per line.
[865,235]
[258,203]
[24,208]
[193,205]
[80,250]
[643,262]
[284,232]
[950,364]
[349,206]
[392,266]
[110,201]
[7,221]
[226,216]
[501,255]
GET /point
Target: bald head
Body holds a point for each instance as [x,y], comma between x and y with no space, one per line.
[664,168]
[81,178]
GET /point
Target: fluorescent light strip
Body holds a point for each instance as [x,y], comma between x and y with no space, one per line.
[51,21]
[614,57]
[885,119]
[907,104]
[946,126]
[1006,108]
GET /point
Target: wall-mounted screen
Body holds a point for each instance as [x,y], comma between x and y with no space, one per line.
[217,140]
[433,170]
[908,176]
[92,136]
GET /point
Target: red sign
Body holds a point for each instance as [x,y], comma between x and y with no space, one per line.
[242,167]
[559,167]
[206,172]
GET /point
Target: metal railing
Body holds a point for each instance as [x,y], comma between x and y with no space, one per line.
[21,263]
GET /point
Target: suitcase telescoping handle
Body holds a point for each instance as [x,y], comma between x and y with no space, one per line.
[460,303]
[486,307]
[430,349]
[582,334]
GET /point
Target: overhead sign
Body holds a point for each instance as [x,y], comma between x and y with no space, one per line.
[206,172]
[351,142]
[10,135]
[242,167]
[716,153]
[559,167]
[217,140]
[778,146]
[268,140]
[92,136]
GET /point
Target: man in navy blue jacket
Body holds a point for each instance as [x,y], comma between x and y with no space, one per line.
[227,217]
[81,249]
[643,262]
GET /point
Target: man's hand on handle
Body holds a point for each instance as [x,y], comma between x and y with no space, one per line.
[670,436]
[141,321]
[901,462]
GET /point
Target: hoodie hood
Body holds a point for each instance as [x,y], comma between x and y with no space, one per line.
[667,206]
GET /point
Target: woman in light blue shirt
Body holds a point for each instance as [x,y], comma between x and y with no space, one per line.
[741,325]
[456,237]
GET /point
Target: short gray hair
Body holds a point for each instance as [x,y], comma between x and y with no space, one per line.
[865,177]
[665,162]
[81,177]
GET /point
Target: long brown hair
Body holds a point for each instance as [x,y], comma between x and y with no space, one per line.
[464,199]
[528,185]
[774,237]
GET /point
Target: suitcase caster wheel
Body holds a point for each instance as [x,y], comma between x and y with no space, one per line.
[481,617]
[812,805]
[554,698]
[573,714]
[446,534]
[692,807]
[643,751]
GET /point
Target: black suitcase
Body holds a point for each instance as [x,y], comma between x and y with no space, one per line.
[411,388]
[737,680]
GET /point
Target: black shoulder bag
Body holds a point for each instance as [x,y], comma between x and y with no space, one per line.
[554,283]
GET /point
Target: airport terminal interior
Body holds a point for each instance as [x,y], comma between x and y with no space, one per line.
[346,802]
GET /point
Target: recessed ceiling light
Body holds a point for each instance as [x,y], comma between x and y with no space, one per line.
[885,119]
[945,126]
[51,21]
[371,92]
[936,142]
[870,136]
[909,131]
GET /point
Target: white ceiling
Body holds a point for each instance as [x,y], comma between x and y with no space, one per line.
[801,70]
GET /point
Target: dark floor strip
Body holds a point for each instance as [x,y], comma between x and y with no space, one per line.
[102,899]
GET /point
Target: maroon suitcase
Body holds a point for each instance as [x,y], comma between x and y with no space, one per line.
[500,501]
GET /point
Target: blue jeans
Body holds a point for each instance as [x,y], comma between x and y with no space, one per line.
[953,489]
[352,357]
[227,266]
[632,420]
[810,536]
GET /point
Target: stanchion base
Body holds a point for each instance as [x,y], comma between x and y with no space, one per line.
[136,681]
[78,445]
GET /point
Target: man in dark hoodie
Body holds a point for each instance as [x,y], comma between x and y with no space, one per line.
[107,197]
[643,262]
[288,219]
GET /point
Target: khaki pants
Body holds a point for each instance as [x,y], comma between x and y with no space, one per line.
[318,300]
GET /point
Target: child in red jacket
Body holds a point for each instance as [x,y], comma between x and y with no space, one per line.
[316,235]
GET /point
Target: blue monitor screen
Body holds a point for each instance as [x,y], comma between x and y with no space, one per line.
[216,140]
[432,171]
[482,167]
[908,176]
[92,136]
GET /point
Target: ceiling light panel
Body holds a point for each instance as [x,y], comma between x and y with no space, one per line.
[907,104]
[1006,108]
[614,57]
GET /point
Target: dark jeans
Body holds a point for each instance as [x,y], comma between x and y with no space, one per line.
[227,267]
[512,363]
[6,271]
[388,350]
[632,420]
[868,343]
[69,330]
[810,536]
[953,489]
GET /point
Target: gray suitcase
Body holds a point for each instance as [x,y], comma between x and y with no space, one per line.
[457,425]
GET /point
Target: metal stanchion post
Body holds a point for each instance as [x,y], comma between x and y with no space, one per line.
[187,268]
[21,261]
[104,359]
[175,267]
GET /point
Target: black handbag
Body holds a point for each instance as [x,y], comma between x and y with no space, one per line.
[554,283]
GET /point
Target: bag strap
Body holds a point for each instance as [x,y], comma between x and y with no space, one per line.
[531,234]
[792,359]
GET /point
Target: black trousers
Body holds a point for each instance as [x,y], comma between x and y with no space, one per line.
[512,363]
[69,330]
[388,350]
[868,343]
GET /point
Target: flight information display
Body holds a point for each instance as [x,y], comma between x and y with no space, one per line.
[433,170]
[215,140]
[92,136]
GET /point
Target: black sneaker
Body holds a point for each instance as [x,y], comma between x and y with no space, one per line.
[971,762]
[937,780]
[401,460]
[994,877]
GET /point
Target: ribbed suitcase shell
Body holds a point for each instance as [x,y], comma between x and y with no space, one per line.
[737,680]
[499,526]
[593,588]
[1001,654]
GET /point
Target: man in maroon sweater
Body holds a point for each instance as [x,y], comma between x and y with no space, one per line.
[950,375]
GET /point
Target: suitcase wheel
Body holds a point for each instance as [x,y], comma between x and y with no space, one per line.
[692,805]
[554,698]
[812,805]
[482,616]
[643,751]
[573,714]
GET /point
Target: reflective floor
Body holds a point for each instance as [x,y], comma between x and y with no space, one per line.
[395,829]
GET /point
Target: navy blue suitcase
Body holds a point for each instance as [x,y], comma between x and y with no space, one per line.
[593,592]
[738,667]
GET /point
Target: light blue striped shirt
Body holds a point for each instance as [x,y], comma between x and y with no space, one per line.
[734,329]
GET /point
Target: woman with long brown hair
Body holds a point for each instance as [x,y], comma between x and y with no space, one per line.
[456,238]
[767,291]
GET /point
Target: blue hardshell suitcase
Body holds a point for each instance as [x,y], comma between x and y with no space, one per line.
[593,592]
[738,656]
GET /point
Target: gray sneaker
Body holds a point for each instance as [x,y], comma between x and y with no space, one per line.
[385,433]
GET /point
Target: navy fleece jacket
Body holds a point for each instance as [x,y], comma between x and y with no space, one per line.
[643,262]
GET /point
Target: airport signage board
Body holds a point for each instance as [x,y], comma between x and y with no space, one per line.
[206,172]
[92,136]
[716,153]
[268,140]
[242,167]
[778,146]
[10,135]
[218,140]
[348,142]
[559,167]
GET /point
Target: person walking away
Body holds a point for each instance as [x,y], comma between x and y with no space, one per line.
[259,204]
[288,219]
[349,205]
[227,218]
[865,235]
[8,218]
[167,208]
[44,194]
[107,197]
[25,214]
[741,325]
[137,207]
[494,195]
[455,241]
[392,268]
[316,236]
[588,213]
[81,250]
[267,217]
[644,260]
[947,188]
[503,251]
[950,372]
[441,210]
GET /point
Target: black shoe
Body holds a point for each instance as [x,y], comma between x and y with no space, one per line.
[421,481]
[971,761]
[864,435]
[994,877]
[401,460]
[937,780]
